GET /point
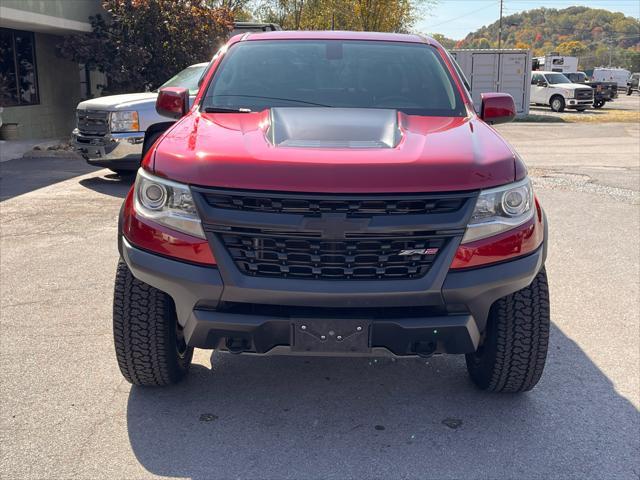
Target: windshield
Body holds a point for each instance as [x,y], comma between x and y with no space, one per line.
[554,78]
[262,74]
[578,77]
[187,78]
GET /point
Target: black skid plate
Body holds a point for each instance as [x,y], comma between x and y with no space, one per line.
[331,335]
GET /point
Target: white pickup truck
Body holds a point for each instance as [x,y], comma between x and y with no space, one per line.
[110,131]
[115,131]
[557,91]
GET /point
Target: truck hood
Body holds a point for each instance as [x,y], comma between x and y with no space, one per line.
[128,101]
[245,151]
[570,86]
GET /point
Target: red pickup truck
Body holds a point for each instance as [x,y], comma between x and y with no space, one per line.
[333,193]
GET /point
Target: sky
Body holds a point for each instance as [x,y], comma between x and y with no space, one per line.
[456,18]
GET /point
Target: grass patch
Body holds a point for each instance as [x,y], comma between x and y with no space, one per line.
[605,116]
[589,116]
[539,118]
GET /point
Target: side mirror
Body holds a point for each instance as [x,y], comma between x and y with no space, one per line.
[542,83]
[172,102]
[497,108]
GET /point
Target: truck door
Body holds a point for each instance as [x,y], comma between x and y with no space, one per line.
[484,75]
[538,93]
[512,77]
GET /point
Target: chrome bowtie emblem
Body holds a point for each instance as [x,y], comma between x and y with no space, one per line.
[418,251]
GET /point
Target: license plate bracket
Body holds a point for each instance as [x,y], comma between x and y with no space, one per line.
[319,335]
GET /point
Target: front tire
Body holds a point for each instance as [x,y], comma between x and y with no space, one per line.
[598,104]
[512,357]
[149,140]
[150,347]
[557,103]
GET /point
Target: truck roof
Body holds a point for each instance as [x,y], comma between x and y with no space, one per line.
[610,68]
[338,35]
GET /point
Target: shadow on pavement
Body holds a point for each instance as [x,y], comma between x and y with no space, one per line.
[24,175]
[110,184]
[279,417]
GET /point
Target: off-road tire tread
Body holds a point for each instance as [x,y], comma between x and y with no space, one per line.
[143,337]
[521,329]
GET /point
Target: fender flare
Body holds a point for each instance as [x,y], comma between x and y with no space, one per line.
[152,132]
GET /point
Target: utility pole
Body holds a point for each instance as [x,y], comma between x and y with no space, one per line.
[500,27]
[610,51]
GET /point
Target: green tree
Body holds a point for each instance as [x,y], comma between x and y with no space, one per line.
[141,43]
[630,59]
[482,43]
[447,43]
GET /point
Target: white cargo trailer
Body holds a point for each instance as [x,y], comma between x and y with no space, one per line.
[507,71]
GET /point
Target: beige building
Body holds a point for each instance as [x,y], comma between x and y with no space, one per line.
[38,90]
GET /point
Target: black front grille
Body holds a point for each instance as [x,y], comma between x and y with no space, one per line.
[331,236]
[314,206]
[584,94]
[90,122]
[366,259]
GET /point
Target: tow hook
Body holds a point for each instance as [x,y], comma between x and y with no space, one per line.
[425,349]
[237,344]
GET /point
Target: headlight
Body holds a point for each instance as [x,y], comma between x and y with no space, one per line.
[125,121]
[167,203]
[570,93]
[500,209]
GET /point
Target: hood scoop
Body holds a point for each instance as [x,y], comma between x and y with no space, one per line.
[311,127]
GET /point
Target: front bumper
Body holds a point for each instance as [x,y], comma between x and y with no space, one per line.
[113,150]
[605,95]
[258,315]
[573,103]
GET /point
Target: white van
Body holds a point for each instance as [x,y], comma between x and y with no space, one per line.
[617,75]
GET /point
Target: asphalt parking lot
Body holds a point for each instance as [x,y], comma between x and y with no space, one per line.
[625,102]
[67,412]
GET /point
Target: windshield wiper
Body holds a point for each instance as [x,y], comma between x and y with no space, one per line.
[227,110]
[304,102]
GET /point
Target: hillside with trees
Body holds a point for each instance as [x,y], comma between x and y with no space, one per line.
[598,37]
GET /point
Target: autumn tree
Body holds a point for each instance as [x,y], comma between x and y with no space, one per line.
[141,43]
[240,9]
[572,48]
[362,15]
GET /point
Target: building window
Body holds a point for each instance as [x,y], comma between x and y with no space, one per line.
[18,76]
[85,82]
